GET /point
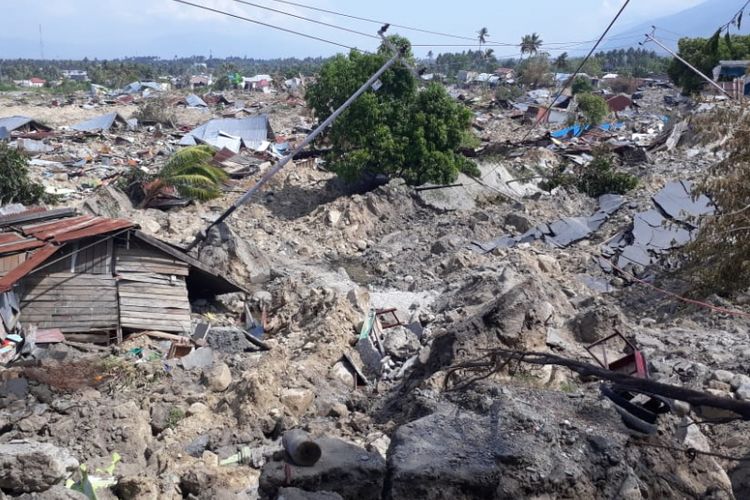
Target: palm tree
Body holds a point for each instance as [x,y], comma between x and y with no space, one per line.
[561,63]
[430,55]
[484,34]
[189,173]
[530,44]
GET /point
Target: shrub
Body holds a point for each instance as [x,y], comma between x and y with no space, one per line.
[15,185]
[155,111]
[592,109]
[623,85]
[581,85]
[599,177]
[719,258]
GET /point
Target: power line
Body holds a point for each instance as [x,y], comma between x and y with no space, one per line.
[737,16]
[261,23]
[308,19]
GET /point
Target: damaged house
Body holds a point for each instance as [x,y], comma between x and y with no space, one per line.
[95,278]
[254,133]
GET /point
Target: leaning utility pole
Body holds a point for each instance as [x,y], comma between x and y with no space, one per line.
[650,38]
[309,139]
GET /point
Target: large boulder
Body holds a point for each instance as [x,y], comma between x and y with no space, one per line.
[343,468]
[28,466]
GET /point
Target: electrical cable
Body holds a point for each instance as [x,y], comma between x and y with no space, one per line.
[308,19]
[261,23]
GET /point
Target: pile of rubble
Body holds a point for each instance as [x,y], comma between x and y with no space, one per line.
[326,372]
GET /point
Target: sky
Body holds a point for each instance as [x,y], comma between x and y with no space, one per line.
[164,28]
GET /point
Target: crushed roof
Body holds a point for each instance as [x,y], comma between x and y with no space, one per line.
[11,123]
[252,131]
[42,232]
[103,122]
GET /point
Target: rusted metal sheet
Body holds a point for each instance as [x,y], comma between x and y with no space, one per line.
[41,255]
[9,237]
[17,246]
[37,230]
[35,214]
[104,227]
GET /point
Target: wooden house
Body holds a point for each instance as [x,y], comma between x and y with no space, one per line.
[96,278]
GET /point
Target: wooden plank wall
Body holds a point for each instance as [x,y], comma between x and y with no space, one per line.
[75,303]
[96,259]
[10,262]
[152,291]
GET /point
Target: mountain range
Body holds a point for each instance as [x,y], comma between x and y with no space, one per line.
[700,21]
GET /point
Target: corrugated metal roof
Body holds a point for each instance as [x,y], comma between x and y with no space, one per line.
[103,122]
[43,232]
[194,101]
[11,123]
[253,131]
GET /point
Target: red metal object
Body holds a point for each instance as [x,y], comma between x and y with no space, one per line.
[632,363]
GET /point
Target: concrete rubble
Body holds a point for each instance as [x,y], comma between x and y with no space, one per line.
[354,306]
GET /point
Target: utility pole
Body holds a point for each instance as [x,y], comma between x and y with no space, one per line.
[309,139]
[650,38]
[41,43]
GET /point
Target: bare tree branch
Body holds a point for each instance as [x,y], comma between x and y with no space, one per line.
[497,359]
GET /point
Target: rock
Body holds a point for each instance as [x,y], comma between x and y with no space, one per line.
[547,264]
[743,392]
[333,217]
[197,446]
[218,377]
[400,343]
[141,488]
[446,244]
[739,380]
[518,222]
[361,245]
[27,466]
[263,297]
[554,339]
[57,492]
[161,417]
[210,459]
[197,409]
[298,494]
[595,324]
[723,376]
[359,297]
[298,401]
[691,436]
[630,490]
[343,468]
[338,410]
[379,443]
[203,357]
[719,386]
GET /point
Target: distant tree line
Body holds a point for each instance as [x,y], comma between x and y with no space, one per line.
[120,72]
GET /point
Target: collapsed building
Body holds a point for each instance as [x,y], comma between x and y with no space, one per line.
[96,278]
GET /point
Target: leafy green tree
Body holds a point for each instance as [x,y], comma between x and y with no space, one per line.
[705,54]
[190,173]
[396,130]
[530,44]
[534,71]
[592,109]
[15,185]
[581,85]
[599,177]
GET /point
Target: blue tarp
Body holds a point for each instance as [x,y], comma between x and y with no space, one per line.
[577,130]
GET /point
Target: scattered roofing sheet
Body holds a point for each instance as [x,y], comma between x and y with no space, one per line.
[670,225]
[562,232]
[678,202]
[11,123]
[103,122]
[194,101]
[252,131]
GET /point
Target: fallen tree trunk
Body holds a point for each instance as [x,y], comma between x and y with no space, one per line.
[497,359]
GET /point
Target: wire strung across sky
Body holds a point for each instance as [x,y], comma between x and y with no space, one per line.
[268,25]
